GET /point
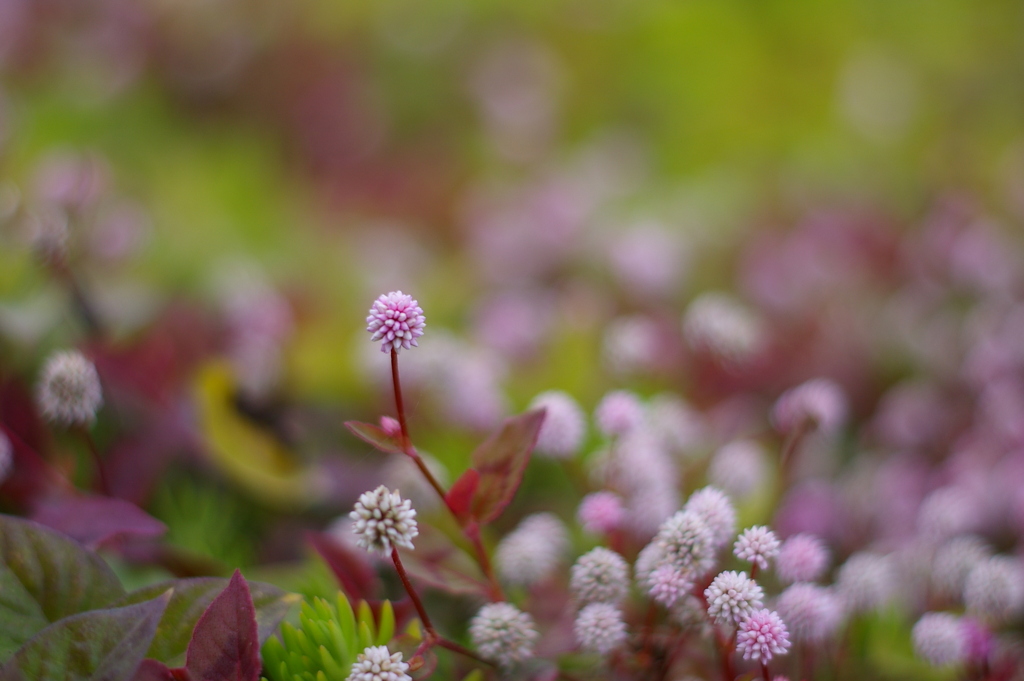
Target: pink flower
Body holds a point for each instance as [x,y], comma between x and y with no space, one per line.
[396,319]
[600,512]
[762,636]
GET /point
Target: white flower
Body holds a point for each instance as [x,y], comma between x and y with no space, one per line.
[69,390]
[376,663]
[503,633]
[533,550]
[732,597]
[600,576]
[714,507]
[382,519]
[939,638]
[564,425]
[599,627]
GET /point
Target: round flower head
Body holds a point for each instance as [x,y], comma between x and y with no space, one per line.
[953,561]
[503,634]
[668,584]
[812,612]
[818,403]
[939,639]
[564,425]
[866,581]
[618,413]
[600,512]
[994,590]
[762,636]
[802,558]
[600,576]
[712,506]
[739,468]
[376,663]
[717,323]
[382,519]
[396,319]
[757,544]
[685,542]
[69,390]
[732,597]
[599,627]
[533,550]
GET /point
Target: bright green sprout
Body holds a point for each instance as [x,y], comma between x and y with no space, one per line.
[327,641]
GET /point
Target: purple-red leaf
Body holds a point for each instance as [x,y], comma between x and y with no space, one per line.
[355,574]
[376,436]
[460,496]
[94,521]
[153,670]
[438,563]
[501,461]
[98,645]
[225,644]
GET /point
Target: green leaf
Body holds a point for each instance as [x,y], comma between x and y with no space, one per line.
[386,628]
[45,577]
[191,599]
[100,645]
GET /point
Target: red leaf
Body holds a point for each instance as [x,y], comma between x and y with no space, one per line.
[94,521]
[355,574]
[153,670]
[460,496]
[501,460]
[438,563]
[225,644]
[374,435]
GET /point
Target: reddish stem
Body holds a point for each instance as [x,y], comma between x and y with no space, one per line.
[407,447]
[409,589]
[472,532]
[764,672]
[101,470]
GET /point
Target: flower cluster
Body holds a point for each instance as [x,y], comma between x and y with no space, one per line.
[382,520]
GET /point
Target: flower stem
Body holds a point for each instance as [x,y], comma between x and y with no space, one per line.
[472,531]
[409,589]
[407,447]
[101,470]
[764,672]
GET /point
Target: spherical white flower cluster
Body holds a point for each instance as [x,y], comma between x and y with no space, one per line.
[533,550]
[69,391]
[939,638]
[714,508]
[377,663]
[600,576]
[812,612]
[382,519]
[686,542]
[721,325]
[994,590]
[739,468]
[503,634]
[564,426]
[866,581]
[599,627]
[953,561]
[732,597]
[668,585]
[757,544]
